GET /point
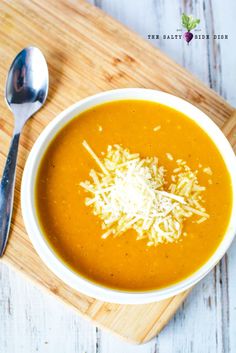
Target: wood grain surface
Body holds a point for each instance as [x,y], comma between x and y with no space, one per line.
[71,36]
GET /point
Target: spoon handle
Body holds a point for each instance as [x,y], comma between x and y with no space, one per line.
[7,186]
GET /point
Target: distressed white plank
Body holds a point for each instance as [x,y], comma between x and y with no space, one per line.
[31,321]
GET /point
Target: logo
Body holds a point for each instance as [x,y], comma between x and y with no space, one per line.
[188,31]
[189,23]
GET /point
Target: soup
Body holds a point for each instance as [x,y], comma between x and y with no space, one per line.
[121,261]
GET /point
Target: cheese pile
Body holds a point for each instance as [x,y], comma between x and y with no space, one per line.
[130,192]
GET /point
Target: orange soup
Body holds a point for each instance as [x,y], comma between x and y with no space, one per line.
[121,261]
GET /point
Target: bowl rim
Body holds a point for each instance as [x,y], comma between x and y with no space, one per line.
[50,258]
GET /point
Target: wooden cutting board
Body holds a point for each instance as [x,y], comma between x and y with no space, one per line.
[88,52]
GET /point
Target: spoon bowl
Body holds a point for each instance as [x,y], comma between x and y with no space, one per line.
[27,84]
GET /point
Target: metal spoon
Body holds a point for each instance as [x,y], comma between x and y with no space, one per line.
[26,92]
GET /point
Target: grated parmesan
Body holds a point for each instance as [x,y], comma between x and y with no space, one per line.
[130,193]
[169,156]
[207,171]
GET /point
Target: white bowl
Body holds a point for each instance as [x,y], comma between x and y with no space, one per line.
[28,207]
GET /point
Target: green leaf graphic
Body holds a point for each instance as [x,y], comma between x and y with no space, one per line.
[189,22]
[185,20]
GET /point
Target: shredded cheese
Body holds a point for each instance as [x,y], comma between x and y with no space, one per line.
[130,193]
[207,171]
[169,156]
[88,148]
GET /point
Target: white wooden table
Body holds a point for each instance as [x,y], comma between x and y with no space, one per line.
[31,321]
